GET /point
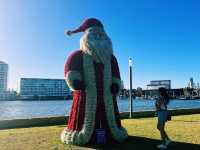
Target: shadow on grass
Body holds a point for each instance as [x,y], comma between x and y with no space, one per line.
[140,143]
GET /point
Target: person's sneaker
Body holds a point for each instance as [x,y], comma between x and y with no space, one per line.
[162,146]
[167,142]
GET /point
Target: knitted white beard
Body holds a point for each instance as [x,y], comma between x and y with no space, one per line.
[96,43]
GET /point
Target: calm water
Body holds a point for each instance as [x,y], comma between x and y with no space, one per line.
[30,109]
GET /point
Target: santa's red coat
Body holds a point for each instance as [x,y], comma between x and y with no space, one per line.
[77,113]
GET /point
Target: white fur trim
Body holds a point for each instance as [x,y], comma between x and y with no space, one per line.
[70,76]
[119,134]
[82,137]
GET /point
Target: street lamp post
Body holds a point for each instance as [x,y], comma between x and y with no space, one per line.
[130,91]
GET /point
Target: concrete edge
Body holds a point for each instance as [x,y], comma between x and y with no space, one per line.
[33,122]
[61,120]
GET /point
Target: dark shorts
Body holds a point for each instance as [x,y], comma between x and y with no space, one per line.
[162,116]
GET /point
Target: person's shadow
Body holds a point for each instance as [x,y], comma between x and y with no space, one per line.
[141,143]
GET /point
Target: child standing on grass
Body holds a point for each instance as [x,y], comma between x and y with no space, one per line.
[161,108]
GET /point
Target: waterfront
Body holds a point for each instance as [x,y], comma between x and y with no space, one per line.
[30,109]
[184,130]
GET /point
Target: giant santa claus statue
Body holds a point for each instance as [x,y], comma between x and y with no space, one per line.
[92,73]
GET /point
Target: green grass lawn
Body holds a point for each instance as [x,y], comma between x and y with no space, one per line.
[183,130]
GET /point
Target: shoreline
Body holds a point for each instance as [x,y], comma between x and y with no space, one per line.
[61,120]
[126,99]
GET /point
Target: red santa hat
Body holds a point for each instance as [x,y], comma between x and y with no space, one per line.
[91,22]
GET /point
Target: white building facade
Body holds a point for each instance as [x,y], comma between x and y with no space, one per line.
[30,87]
[3,76]
[156,84]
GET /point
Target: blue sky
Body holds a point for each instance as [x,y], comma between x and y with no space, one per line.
[162,37]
